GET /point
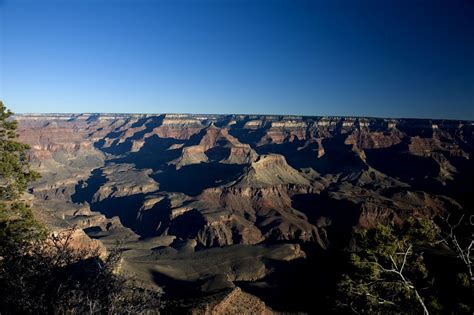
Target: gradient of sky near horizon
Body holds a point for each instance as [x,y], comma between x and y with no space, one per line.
[393,58]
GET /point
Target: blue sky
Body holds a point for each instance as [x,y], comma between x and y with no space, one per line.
[400,58]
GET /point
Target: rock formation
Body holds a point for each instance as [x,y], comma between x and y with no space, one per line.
[176,189]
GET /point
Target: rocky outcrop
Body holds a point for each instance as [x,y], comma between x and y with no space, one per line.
[124,180]
[178,127]
[270,171]
[234,302]
[77,240]
[284,131]
[218,145]
[374,140]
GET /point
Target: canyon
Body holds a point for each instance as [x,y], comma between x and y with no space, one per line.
[255,206]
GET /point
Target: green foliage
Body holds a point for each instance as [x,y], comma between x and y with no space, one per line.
[462,279]
[15,172]
[18,226]
[388,270]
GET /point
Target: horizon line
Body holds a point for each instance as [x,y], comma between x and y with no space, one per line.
[235,114]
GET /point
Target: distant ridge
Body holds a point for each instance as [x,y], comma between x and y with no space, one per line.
[267,116]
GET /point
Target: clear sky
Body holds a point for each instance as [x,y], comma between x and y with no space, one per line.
[399,58]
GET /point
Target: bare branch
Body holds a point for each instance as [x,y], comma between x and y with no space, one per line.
[405,258]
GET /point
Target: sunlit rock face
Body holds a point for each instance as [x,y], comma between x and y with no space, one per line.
[176,186]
